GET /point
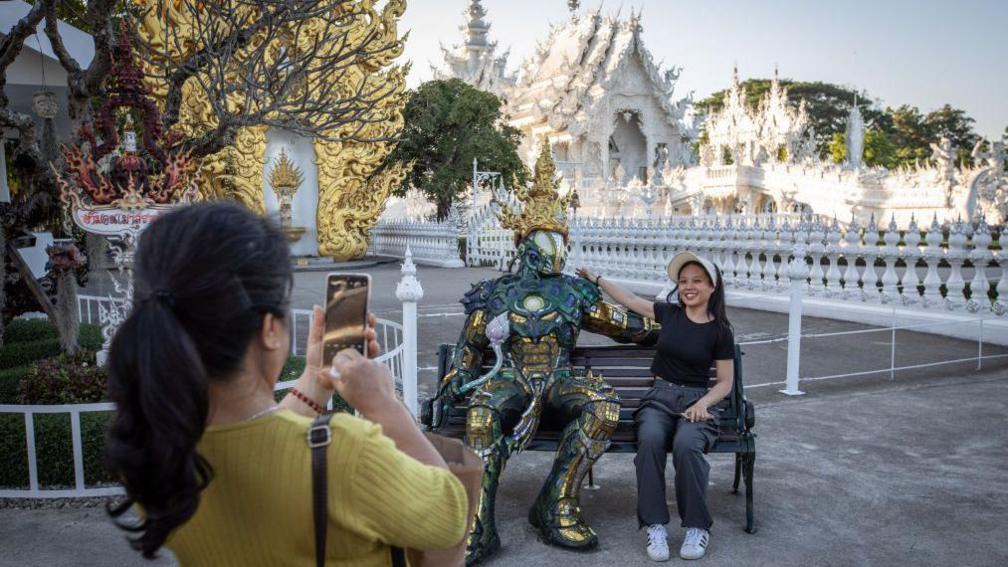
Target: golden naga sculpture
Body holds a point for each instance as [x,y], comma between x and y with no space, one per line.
[544,208]
[352,187]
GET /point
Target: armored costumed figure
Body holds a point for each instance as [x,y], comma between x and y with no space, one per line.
[530,320]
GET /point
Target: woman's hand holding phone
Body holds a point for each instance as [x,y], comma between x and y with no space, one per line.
[314,383]
[364,384]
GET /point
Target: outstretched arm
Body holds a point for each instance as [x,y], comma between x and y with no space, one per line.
[617,323]
[622,295]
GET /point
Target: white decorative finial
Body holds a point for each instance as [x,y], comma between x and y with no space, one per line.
[409,288]
[408,267]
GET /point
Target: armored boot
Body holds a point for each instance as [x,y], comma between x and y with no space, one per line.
[484,437]
[557,511]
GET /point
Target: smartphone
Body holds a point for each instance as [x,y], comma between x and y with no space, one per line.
[347,298]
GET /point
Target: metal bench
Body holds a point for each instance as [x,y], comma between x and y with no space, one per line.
[627,369]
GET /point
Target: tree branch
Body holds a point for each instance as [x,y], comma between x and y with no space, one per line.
[52,32]
[99,18]
[12,44]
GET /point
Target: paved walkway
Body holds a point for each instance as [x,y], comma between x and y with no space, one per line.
[859,471]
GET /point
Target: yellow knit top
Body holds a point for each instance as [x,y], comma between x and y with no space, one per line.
[257,510]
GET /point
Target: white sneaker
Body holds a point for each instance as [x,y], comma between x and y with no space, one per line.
[657,543]
[694,545]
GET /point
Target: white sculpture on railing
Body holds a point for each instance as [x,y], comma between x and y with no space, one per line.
[854,137]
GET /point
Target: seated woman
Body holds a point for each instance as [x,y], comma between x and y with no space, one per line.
[676,412]
[220,473]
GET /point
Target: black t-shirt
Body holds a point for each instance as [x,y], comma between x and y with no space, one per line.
[687,350]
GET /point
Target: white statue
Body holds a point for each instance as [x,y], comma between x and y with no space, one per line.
[995,156]
[944,157]
[855,137]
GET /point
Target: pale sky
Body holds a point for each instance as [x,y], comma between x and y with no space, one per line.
[925,53]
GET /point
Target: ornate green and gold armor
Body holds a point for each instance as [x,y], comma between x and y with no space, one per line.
[545,312]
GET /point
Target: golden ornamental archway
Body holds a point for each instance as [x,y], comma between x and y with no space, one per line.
[352,185]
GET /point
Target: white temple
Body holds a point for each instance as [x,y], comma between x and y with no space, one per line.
[593,90]
[621,138]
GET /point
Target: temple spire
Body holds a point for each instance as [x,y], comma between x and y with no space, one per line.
[475,60]
[476,28]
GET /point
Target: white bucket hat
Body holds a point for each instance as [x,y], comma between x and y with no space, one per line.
[683,258]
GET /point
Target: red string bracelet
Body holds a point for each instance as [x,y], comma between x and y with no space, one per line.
[307,401]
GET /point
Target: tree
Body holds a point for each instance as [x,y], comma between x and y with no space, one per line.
[879,150]
[320,68]
[956,125]
[447,125]
[904,126]
[838,148]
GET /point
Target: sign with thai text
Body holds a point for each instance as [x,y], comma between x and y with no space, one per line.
[113,222]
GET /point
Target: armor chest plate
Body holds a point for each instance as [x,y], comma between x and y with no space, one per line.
[545,316]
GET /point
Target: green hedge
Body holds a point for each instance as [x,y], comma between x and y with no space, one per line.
[10,384]
[22,354]
[30,340]
[32,330]
[26,341]
[54,449]
[28,330]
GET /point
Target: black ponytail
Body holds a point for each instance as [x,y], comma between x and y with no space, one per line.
[716,305]
[205,276]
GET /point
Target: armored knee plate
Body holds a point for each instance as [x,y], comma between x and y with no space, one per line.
[600,418]
[483,430]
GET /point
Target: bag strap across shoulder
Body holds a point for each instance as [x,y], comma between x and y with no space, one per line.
[319,437]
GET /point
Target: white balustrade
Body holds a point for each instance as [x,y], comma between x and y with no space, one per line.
[869,277]
[890,281]
[432,243]
[912,255]
[753,254]
[955,255]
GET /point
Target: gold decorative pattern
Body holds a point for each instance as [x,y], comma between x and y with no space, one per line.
[544,208]
[285,176]
[352,185]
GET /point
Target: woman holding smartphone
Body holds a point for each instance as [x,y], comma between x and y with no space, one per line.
[676,412]
[219,471]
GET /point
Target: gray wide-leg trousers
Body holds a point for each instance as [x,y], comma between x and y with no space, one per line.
[657,431]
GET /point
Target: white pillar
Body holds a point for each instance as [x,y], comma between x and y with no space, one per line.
[798,271]
[409,292]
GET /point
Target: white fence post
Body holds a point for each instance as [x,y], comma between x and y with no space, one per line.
[798,272]
[409,292]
